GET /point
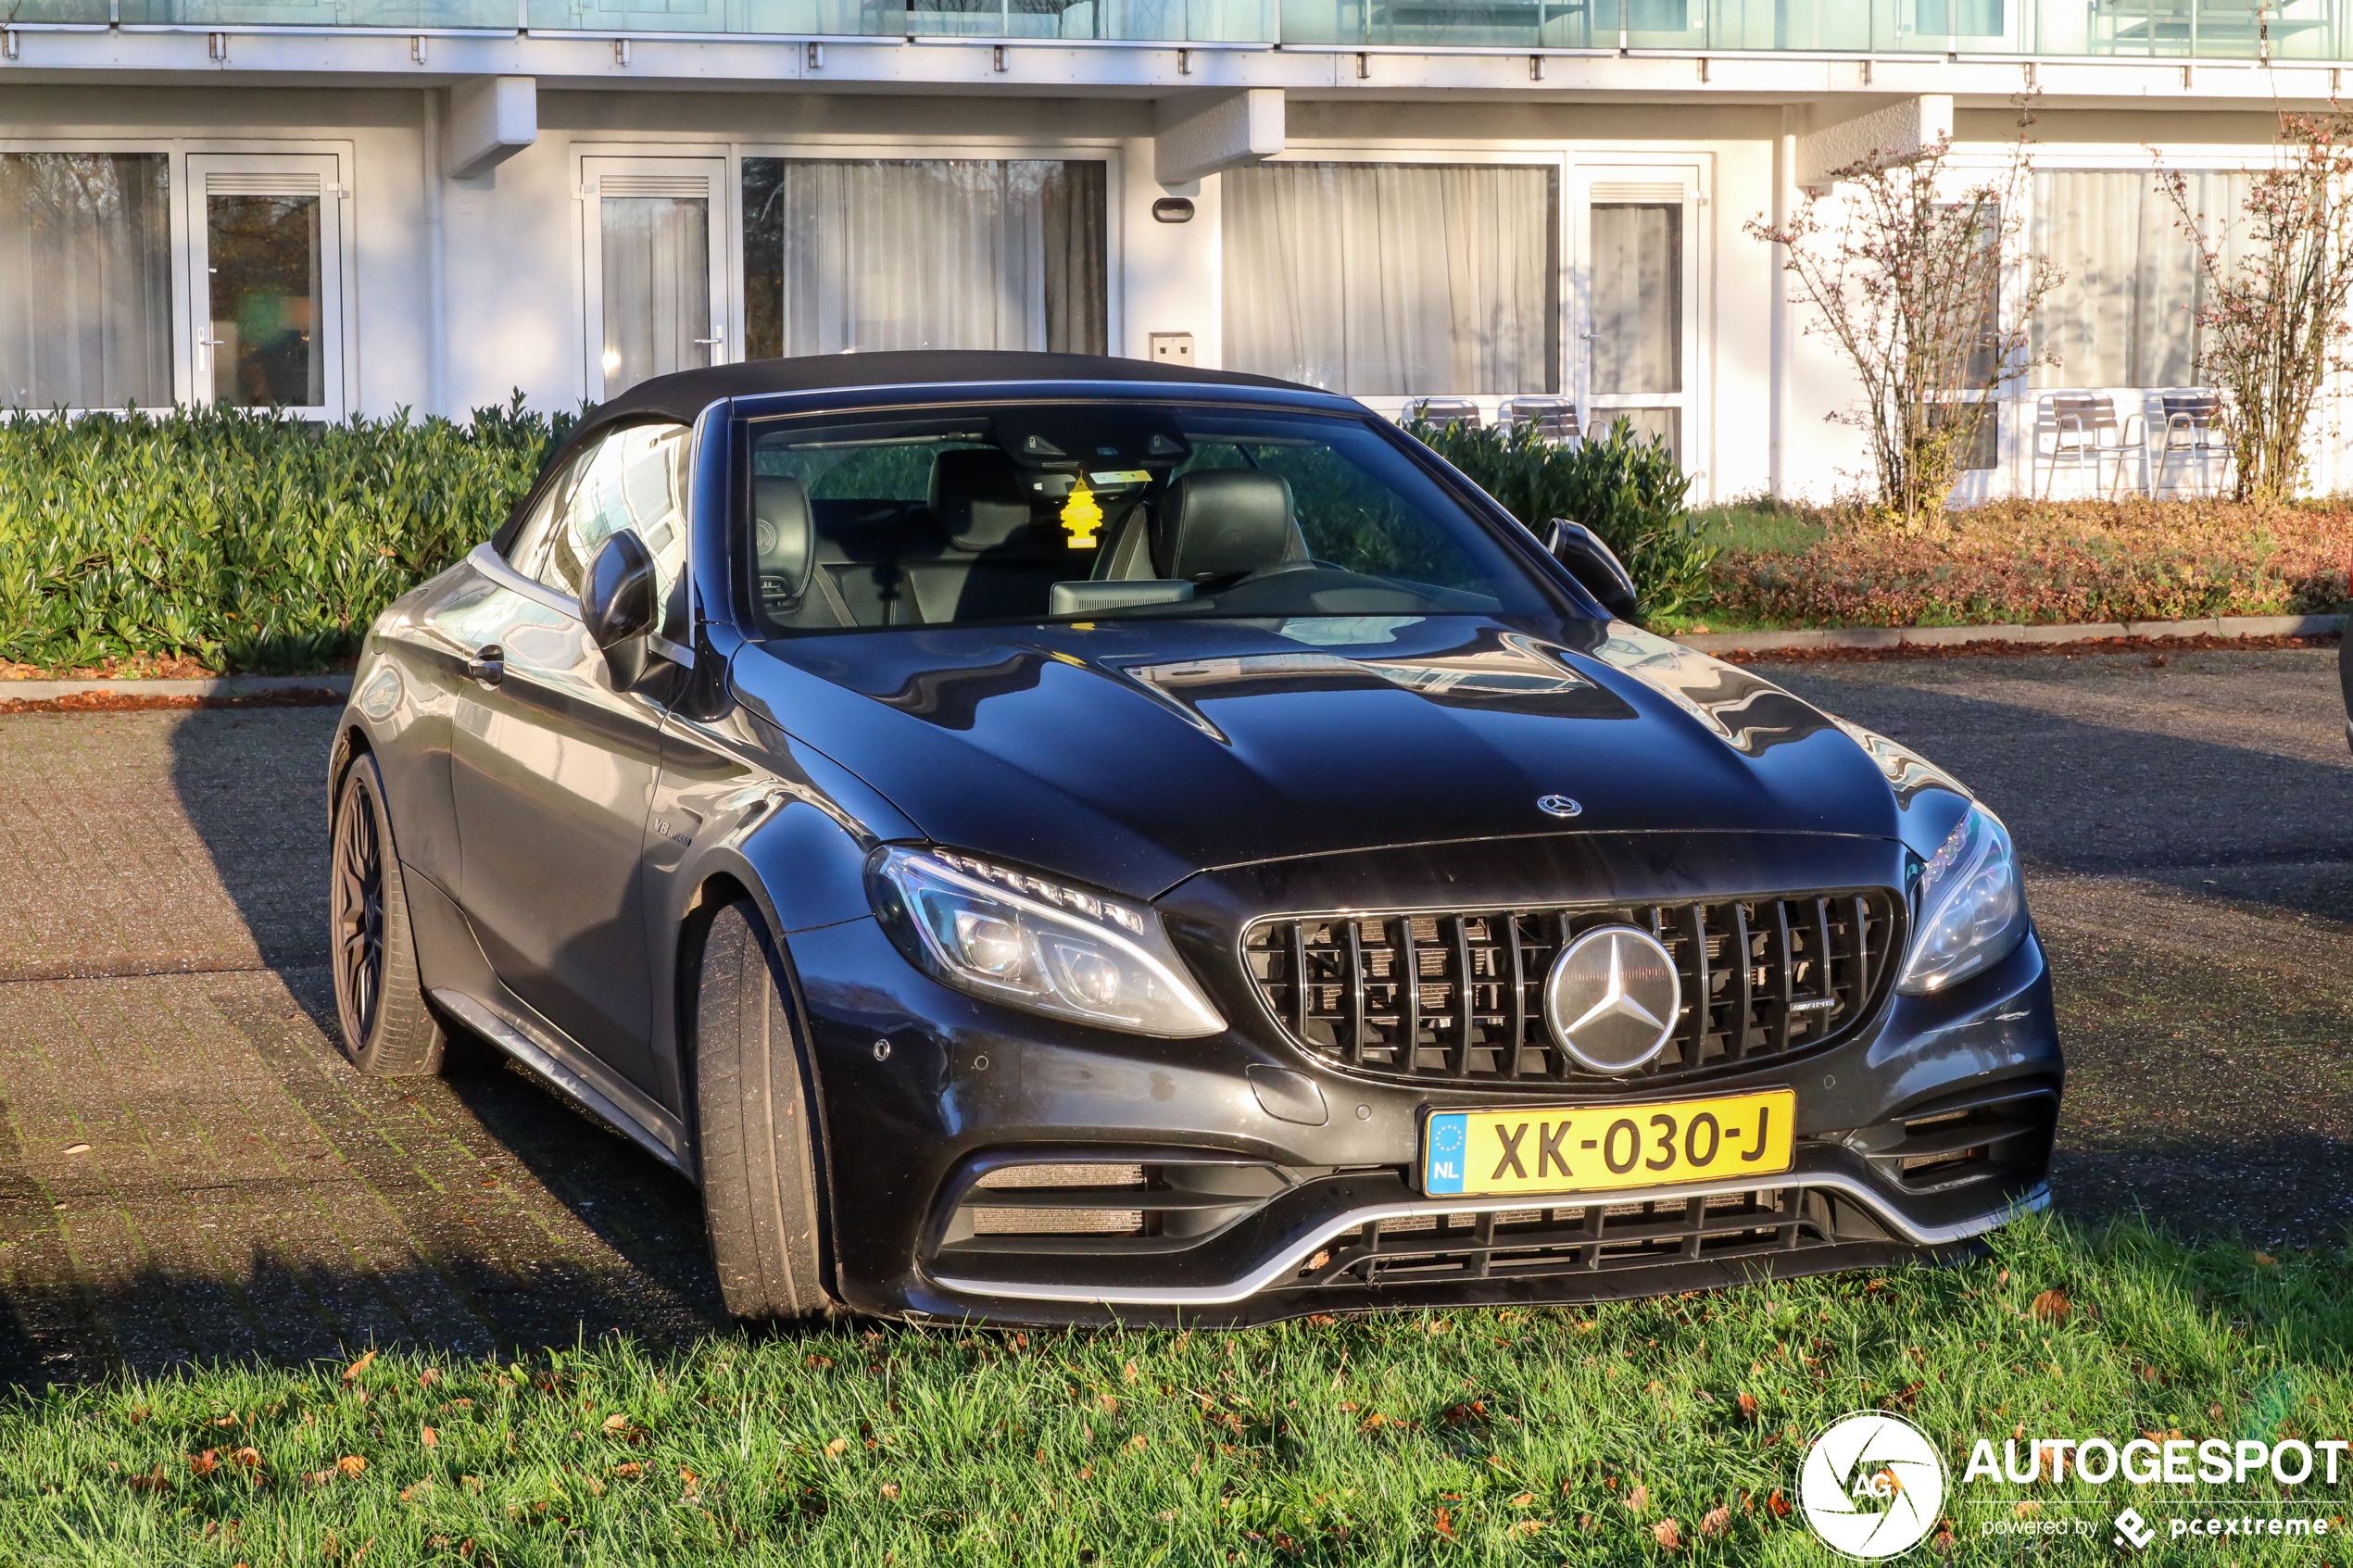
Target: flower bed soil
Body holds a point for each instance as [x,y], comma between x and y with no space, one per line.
[2040,563]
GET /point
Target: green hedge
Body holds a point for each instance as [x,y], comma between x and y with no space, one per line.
[1626,488]
[249,541]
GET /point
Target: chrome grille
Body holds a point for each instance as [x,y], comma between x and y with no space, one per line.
[1458,998]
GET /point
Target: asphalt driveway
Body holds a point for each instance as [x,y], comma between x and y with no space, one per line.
[187,1168]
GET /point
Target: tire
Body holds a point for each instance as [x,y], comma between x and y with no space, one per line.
[752,1125]
[387,1029]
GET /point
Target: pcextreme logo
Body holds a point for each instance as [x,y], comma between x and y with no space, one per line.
[1872,1485]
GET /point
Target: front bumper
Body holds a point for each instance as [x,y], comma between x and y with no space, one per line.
[1923,1131]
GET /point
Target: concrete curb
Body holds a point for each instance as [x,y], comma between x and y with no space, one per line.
[1946,636]
[219,686]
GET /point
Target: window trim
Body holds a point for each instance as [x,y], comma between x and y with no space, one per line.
[184,214]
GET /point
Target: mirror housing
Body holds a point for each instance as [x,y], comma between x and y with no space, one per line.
[1595,566]
[620,603]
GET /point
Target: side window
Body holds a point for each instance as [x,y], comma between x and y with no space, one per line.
[528,550]
[634,479]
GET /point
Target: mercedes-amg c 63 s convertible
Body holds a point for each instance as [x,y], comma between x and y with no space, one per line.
[1041,839]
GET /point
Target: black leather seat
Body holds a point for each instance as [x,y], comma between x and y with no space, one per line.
[1223,523]
[1004,546]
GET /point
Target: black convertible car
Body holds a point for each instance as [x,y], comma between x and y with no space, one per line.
[1047,839]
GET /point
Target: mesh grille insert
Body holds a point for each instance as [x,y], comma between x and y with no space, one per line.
[1458,998]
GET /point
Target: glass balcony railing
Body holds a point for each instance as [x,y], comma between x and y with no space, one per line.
[2280,30]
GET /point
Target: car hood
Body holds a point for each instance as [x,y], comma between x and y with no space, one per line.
[1133,754]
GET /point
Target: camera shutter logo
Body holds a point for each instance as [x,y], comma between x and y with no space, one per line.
[1872,1485]
[1612,996]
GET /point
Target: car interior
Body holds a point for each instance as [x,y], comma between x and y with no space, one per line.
[1009,526]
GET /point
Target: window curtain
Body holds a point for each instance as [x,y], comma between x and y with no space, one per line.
[1638,298]
[85,281]
[1382,279]
[2123,316]
[941,254]
[656,287]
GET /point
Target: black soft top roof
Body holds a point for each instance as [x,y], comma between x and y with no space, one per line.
[681,397]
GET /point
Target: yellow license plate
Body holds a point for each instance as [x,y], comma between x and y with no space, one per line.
[1602,1149]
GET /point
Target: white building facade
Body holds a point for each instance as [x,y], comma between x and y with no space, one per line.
[360,205]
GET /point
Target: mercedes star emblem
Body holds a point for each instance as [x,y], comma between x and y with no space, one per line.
[1559,805]
[1611,999]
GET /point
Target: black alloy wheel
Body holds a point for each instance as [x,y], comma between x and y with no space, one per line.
[387,1029]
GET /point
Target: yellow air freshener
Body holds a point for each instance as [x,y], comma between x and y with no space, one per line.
[1082,517]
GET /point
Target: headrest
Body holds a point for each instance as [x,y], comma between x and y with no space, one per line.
[1224,522]
[978,496]
[782,534]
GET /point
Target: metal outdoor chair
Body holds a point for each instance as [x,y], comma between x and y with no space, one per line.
[1554,418]
[2080,430]
[1441,411]
[2192,433]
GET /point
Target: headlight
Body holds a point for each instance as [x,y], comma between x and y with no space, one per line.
[1972,910]
[1029,943]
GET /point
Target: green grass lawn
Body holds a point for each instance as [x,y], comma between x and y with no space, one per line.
[1535,1436]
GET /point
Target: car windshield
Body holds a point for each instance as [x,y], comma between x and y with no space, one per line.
[1097,510]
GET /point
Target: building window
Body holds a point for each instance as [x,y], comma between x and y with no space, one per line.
[85,280]
[2124,317]
[874,254]
[1384,279]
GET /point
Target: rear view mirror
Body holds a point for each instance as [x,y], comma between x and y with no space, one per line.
[1595,566]
[618,601]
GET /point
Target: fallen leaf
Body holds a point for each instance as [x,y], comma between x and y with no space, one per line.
[76,1148]
[1321,1320]
[1747,1403]
[428,1436]
[1138,1441]
[1666,1534]
[839,1446]
[351,1464]
[630,1471]
[1523,1500]
[2263,1260]
[203,1464]
[2003,1278]
[1639,1499]
[356,1368]
[1446,1523]
[1778,1506]
[1527,1527]
[2052,1306]
[890,1488]
[616,1424]
[1129,1372]
[1717,1521]
[2213,1412]
[411,1492]
[2030,1509]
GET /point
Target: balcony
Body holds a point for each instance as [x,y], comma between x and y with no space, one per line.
[2186,30]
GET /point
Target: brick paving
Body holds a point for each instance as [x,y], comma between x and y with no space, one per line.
[189,1170]
[164,1002]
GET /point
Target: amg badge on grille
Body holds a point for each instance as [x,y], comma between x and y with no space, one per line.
[1612,996]
[1559,805]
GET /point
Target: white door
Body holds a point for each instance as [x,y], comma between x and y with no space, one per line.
[265,254]
[657,274]
[1635,352]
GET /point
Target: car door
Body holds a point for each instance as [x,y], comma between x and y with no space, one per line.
[553,769]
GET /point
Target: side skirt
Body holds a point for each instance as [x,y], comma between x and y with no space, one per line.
[574,1073]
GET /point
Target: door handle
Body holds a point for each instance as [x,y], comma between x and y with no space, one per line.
[486,666]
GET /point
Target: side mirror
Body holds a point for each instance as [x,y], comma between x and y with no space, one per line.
[1595,566]
[620,603]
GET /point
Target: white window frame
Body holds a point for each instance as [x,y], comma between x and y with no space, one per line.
[1571,160]
[2015,470]
[184,212]
[1103,150]
[333,175]
[591,164]
[1689,403]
